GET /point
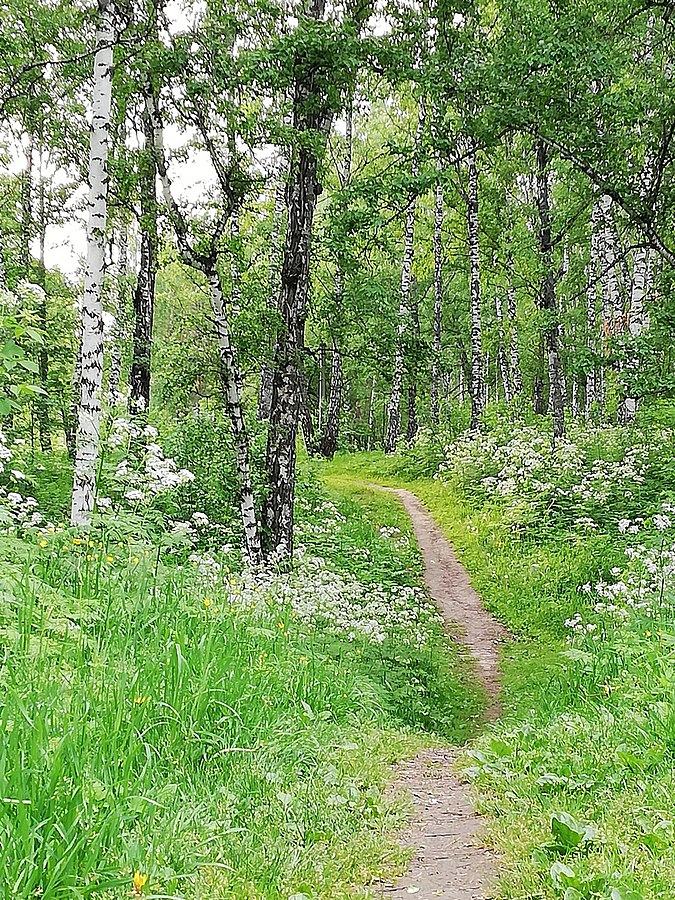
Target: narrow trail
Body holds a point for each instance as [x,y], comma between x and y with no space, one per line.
[449,860]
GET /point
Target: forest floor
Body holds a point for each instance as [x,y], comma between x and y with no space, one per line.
[450,860]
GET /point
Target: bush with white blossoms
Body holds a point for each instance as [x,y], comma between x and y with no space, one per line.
[321,598]
[144,471]
[18,512]
[645,588]
[572,478]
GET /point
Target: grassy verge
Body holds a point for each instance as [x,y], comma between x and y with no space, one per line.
[578,775]
[190,724]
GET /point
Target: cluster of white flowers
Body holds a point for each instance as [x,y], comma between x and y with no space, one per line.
[321,598]
[525,465]
[156,472]
[18,511]
[645,586]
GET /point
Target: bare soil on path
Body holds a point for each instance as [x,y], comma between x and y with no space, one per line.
[450,861]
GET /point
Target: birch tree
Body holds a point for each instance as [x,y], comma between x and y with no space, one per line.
[476,385]
[404,313]
[91,349]
[231,183]
[547,298]
[144,293]
[320,80]
[438,302]
[330,433]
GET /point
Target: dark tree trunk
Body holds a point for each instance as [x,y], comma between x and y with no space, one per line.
[329,439]
[144,295]
[311,113]
[547,300]
[267,372]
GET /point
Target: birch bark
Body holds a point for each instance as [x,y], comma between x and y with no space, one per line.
[119,329]
[592,379]
[91,353]
[275,258]
[144,295]
[42,400]
[502,358]
[230,373]
[476,385]
[311,113]
[331,431]
[438,304]
[547,299]
[394,406]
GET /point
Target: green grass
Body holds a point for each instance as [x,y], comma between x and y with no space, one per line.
[591,735]
[221,754]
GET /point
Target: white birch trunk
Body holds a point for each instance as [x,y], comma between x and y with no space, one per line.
[119,332]
[89,406]
[476,387]
[232,385]
[371,412]
[438,304]
[394,406]
[229,369]
[638,320]
[502,358]
[592,379]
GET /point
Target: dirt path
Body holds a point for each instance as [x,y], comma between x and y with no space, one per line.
[449,861]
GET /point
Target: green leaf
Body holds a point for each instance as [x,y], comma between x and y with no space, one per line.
[568,832]
[562,875]
[624,894]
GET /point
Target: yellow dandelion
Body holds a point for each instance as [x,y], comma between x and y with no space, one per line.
[207,602]
[135,559]
[110,559]
[281,625]
[140,700]
[43,543]
[139,883]
[77,541]
[648,634]
[90,544]
[89,557]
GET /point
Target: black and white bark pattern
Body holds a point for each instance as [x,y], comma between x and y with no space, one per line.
[91,352]
[438,305]
[275,260]
[476,385]
[502,357]
[394,407]
[547,298]
[331,429]
[311,114]
[329,439]
[593,376]
[119,330]
[638,318]
[144,294]
[230,372]
[42,399]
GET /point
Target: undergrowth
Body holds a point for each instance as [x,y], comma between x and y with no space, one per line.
[577,776]
[164,735]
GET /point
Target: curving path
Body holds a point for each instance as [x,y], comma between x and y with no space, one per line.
[450,862]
